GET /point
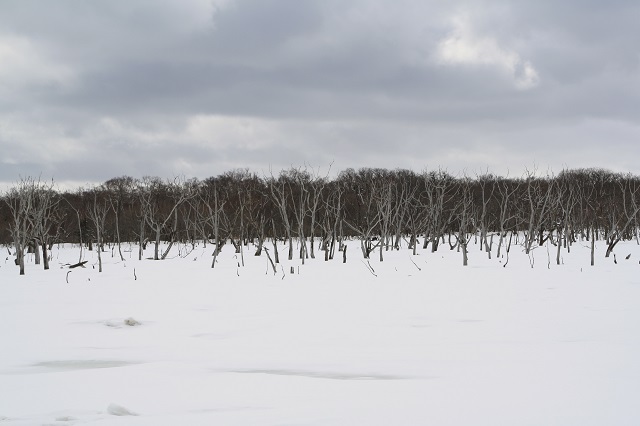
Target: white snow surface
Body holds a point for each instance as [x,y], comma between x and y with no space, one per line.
[430,343]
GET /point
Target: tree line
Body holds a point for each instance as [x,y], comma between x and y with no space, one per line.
[314,214]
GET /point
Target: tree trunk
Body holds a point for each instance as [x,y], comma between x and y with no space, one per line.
[276,256]
[20,257]
[259,248]
[462,243]
[118,237]
[313,255]
[36,250]
[434,244]
[325,247]
[157,247]
[611,245]
[465,254]
[99,251]
[140,247]
[45,256]
[502,234]
[79,235]
[559,247]
[593,245]
[216,251]
[166,252]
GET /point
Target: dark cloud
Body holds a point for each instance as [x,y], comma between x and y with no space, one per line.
[92,90]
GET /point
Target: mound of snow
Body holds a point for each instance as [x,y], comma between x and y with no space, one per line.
[131,322]
[118,410]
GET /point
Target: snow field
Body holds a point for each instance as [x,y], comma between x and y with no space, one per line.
[331,344]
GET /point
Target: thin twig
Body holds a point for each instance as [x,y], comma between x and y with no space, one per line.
[369,268]
[414,263]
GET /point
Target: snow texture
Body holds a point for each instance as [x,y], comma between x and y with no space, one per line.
[423,341]
[117,410]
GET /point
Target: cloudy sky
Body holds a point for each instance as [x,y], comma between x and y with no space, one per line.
[91,90]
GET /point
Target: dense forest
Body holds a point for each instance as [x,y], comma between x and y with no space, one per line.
[314,214]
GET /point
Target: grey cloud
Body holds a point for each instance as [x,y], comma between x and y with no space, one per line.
[356,84]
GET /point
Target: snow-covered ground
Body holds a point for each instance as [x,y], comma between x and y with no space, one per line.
[424,341]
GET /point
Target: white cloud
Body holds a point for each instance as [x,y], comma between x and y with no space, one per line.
[228,131]
[26,140]
[528,77]
[25,64]
[464,47]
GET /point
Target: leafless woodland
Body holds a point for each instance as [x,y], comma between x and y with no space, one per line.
[314,214]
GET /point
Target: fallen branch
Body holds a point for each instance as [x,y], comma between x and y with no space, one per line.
[419,269]
[273,265]
[79,264]
[369,268]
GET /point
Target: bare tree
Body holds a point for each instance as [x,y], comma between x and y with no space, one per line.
[119,191]
[406,184]
[362,216]
[280,193]
[539,197]
[628,188]
[98,210]
[464,212]
[332,213]
[214,209]
[159,207]
[21,201]
[486,184]
[46,219]
[417,215]
[316,194]
[441,192]
[507,212]
[384,196]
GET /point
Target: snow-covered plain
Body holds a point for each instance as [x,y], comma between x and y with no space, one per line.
[424,343]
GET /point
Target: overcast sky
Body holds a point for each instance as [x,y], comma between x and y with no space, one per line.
[91,90]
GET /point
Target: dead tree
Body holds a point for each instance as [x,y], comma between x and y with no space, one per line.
[159,203]
[628,208]
[212,215]
[98,211]
[21,201]
[417,216]
[464,211]
[279,190]
[539,198]
[364,218]
[45,220]
[298,186]
[316,194]
[507,212]
[487,184]
[406,187]
[441,193]
[332,210]
[76,203]
[119,191]
[384,196]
